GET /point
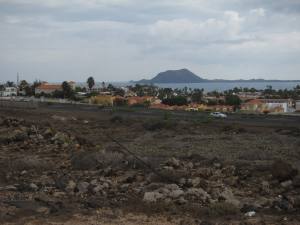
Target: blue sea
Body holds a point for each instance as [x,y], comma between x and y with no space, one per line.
[221,86]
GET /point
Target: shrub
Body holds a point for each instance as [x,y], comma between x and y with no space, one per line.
[167,115]
[101,100]
[115,119]
[153,125]
[144,104]
[221,209]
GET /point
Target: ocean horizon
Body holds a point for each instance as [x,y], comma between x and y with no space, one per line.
[219,86]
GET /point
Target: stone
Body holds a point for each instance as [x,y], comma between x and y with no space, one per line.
[286,184]
[33,187]
[60,118]
[129,177]
[194,182]
[83,187]
[205,172]
[48,133]
[182,181]
[283,171]
[152,196]
[71,185]
[62,181]
[206,223]
[248,208]
[295,201]
[24,172]
[250,214]
[230,198]
[296,181]
[218,165]
[94,182]
[176,193]
[164,191]
[98,188]
[181,201]
[43,210]
[59,194]
[190,165]
[265,187]
[19,135]
[9,188]
[282,203]
[231,181]
[85,161]
[60,138]
[229,171]
[199,192]
[173,162]
[172,187]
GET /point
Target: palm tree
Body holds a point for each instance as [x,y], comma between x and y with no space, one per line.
[90,82]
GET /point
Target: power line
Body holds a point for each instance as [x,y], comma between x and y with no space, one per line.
[127,151]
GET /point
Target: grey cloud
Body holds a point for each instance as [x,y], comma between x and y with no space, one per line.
[123,40]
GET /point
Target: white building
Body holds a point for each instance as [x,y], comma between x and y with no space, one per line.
[298,106]
[9,91]
[285,104]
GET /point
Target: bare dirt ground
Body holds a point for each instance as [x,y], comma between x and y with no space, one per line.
[61,166]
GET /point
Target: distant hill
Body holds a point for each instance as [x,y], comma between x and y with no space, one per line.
[175,76]
[186,76]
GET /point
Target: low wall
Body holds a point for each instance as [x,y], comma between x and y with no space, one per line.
[18,104]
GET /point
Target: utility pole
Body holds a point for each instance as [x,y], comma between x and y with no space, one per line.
[17,83]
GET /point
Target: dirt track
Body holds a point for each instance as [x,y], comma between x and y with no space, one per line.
[58,166]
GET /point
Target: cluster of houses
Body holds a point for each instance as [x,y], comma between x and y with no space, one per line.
[254,105]
[9,91]
[47,88]
[252,101]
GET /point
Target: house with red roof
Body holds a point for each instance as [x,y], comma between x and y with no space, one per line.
[47,88]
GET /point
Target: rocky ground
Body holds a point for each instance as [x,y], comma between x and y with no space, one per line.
[65,168]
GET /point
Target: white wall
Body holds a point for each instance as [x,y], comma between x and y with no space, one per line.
[297,105]
[274,105]
[9,91]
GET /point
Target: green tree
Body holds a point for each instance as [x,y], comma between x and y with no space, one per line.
[90,82]
[165,93]
[175,100]
[24,87]
[23,84]
[67,90]
[35,84]
[197,95]
[233,100]
[10,84]
[58,94]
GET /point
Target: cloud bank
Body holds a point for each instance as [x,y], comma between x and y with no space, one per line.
[119,40]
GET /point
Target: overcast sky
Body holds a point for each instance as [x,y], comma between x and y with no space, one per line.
[121,40]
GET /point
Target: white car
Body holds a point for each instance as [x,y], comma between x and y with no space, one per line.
[218,115]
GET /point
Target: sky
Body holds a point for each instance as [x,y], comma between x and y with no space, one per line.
[122,40]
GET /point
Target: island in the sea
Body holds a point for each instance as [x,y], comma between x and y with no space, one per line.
[186,76]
